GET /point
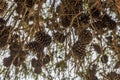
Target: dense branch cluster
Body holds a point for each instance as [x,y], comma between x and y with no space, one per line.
[46,33]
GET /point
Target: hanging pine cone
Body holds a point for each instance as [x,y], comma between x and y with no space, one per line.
[34,46]
[13,38]
[65,20]
[3,42]
[66,7]
[95,12]
[47,40]
[2,21]
[37,70]
[46,59]
[30,3]
[91,74]
[84,18]
[85,37]
[39,36]
[99,25]
[76,23]
[97,48]
[78,50]
[43,39]
[33,62]
[63,8]
[60,37]
[36,63]
[106,18]
[113,76]
[7,61]
[1,28]
[110,24]
[40,56]
[104,59]
[15,47]
[4,36]
[20,9]
[77,6]
[3,7]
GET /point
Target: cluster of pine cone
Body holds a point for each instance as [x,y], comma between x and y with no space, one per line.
[41,41]
[17,54]
[105,22]
[23,4]
[95,17]
[38,63]
[78,48]
[69,11]
[112,76]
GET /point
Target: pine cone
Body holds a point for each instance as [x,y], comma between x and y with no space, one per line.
[3,7]
[95,12]
[15,47]
[30,3]
[104,59]
[60,37]
[79,50]
[99,25]
[33,62]
[85,37]
[84,18]
[65,20]
[77,6]
[36,63]
[37,70]
[34,46]
[110,24]
[20,9]
[40,55]
[7,61]
[2,21]
[1,28]
[4,34]
[43,39]
[97,48]
[14,38]
[46,59]
[113,76]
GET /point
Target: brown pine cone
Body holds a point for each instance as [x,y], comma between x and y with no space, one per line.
[78,50]
[60,37]
[7,61]
[43,38]
[85,37]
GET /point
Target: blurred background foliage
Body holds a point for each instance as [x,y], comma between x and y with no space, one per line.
[60,39]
